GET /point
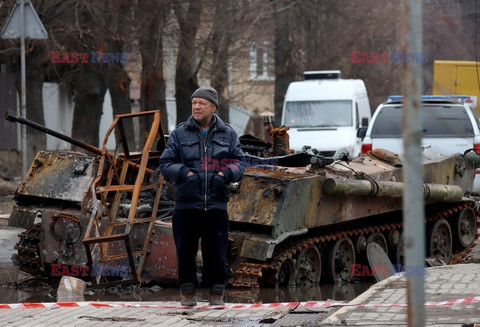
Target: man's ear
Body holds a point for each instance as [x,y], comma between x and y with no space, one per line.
[214,110]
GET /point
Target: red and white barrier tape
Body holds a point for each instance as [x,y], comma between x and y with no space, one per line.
[310,304]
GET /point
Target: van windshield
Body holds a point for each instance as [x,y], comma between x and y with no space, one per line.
[318,113]
[437,121]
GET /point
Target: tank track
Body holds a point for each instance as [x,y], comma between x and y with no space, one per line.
[28,247]
[248,274]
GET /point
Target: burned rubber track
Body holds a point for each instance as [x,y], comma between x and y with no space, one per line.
[28,248]
[256,275]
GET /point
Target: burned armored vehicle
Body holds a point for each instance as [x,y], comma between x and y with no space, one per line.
[95,212]
[293,225]
[295,218]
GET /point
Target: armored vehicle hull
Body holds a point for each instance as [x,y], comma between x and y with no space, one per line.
[295,225]
[288,225]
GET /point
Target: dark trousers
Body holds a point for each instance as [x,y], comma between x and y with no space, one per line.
[212,228]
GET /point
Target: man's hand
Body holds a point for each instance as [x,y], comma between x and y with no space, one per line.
[190,173]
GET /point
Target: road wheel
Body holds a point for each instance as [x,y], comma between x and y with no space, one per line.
[440,241]
[464,227]
[341,259]
[286,274]
[308,267]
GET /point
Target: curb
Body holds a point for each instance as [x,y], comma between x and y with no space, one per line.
[362,298]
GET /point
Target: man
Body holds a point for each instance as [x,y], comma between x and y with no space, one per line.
[202,157]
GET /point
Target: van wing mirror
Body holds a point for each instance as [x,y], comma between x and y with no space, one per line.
[361,132]
[364,122]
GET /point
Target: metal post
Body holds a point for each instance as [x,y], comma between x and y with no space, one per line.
[413,203]
[18,26]
[24,90]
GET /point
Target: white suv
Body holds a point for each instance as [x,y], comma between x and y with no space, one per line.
[449,125]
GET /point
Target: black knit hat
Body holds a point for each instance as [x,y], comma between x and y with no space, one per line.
[207,93]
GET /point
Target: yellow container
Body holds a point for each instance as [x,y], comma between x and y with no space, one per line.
[456,77]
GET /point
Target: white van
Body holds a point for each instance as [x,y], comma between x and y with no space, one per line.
[325,112]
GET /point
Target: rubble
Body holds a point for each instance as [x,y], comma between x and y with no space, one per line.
[70,289]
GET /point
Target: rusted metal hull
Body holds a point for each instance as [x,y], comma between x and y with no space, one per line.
[292,201]
[270,207]
[63,231]
[112,211]
[59,176]
[161,262]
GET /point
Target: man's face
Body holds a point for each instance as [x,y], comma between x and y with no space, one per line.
[202,109]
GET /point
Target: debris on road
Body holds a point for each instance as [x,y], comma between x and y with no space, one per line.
[70,289]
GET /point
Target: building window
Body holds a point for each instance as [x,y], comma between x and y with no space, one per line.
[261,62]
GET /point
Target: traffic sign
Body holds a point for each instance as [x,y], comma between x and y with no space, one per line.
[12,29]
[23,22]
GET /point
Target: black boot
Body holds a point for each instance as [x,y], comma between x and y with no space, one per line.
[216,294]
[187,294]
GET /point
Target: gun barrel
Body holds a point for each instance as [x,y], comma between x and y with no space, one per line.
[433,192]
[21,120]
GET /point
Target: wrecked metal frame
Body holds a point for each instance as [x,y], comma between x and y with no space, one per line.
[111,177]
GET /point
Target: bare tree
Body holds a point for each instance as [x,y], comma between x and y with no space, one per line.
[220,43]
[151,17]
[284,63]
[90,79]
[321,35]
[35,62]
[212,36]
[229,30]
[188,17]
[74,32]
[89,97]
[118,81]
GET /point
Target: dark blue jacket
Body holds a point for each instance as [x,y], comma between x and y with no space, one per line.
[188,148]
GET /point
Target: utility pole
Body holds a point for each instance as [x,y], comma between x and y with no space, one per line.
[413,202]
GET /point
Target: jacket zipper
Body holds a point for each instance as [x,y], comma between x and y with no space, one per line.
[206,171]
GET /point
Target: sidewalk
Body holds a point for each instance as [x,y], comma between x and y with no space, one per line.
[384,304]
[158,314]
[452,294]
[441,284]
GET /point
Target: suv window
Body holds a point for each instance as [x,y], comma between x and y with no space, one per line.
[437,121]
